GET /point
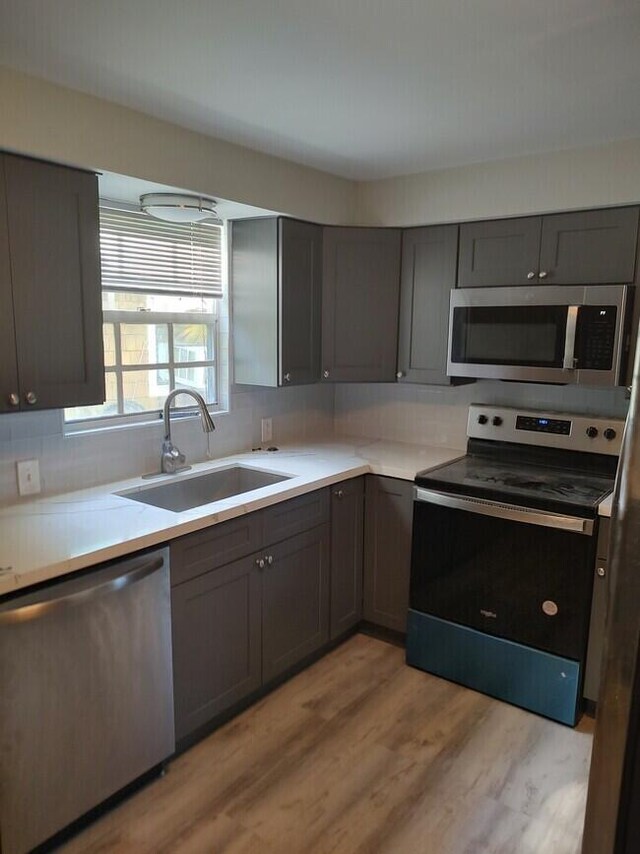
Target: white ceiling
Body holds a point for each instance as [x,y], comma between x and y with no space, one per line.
[360,88]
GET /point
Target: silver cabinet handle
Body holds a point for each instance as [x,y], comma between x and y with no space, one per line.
[260,562]
[531,274]
[269,559]
[399,375]
[14,399]
[31,398]
[325,374]
[601,571]
[287,377]
[542,274]
[339,493]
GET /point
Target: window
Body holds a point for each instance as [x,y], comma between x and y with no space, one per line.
[161,287]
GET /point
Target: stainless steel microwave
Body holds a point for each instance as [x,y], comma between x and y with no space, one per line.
[573,334]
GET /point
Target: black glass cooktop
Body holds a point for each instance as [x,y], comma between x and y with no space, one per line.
[538,486]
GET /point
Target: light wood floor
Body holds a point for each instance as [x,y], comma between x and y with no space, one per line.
[360,753]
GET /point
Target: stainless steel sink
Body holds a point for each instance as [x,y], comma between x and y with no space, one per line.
[185,493]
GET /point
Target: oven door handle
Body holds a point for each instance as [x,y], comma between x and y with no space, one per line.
[569,360]
[507,511]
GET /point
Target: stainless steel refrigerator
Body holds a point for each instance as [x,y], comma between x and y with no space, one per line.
[612,822]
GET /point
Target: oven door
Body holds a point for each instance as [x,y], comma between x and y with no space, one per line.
[519,574]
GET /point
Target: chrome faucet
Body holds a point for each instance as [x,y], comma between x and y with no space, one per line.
[172,460]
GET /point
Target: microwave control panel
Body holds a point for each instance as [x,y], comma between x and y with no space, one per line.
[595,337]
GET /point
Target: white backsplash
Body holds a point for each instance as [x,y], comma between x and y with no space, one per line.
[402,413]
[438,415]
[79,460]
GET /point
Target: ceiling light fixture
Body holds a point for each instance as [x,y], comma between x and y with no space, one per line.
[178,207]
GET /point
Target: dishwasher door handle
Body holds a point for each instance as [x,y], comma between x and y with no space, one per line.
[511,512]
[83,590]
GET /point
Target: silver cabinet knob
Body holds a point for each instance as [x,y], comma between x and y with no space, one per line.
[399,375]
[269,559]
[14,399]
[339,493]
[601,571]
[260,562]
[287,377]
[542,274]
[31,398]
[325,374]
[531,274]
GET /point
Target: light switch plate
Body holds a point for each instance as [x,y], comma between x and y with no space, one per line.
[267,431]
[28,477]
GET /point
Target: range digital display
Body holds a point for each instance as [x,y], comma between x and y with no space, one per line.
[543,425]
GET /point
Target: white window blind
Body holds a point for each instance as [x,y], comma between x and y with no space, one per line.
[139,253]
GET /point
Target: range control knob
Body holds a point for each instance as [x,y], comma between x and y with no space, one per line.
[592,432]
[610,434]
[482,419]
[496,421]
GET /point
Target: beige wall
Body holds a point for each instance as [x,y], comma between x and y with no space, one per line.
[580,178]
[49,121]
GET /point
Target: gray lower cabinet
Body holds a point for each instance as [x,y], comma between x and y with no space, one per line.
[216,642]
[387,552]
[244,612]
[50,290]
[599,608]
[360,295]
[295,600]
[347,541]
[276,277]
[596,247]
[429,263]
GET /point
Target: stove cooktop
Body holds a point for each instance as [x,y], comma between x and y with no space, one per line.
[537,486]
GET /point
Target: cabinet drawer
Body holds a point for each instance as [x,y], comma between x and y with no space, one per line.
[197,553]
[297,515]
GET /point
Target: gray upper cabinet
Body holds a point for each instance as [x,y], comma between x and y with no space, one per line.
[589,247]
[51,235]
[360,295]
[577,248]
[9,388]
[347,537]
[276,268]
[387,552]
[429,261]
[499,252]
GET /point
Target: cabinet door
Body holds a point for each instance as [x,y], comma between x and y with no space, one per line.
[499,252]
[361,284]
[589,247]
[599,608]
[300,302]
[295,600]
[55,269]
[429,260]
[387,551]
[216,642]
[347,533]
[8,366]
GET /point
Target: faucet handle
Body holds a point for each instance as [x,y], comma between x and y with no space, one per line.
[172,458]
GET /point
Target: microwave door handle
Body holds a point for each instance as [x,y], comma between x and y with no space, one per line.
[569,361]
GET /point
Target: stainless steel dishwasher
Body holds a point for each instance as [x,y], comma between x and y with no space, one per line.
[86,694]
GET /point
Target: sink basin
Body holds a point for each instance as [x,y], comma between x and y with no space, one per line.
[188,492]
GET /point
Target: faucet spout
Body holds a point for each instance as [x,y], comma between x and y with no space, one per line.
[172,459]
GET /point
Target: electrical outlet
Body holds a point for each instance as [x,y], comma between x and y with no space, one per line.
[267,432]
[28,477]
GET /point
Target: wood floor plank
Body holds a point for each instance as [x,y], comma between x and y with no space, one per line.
[360,753]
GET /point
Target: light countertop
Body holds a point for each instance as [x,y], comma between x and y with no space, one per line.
[49,537]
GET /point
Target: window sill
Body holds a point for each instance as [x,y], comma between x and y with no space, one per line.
[72,429]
